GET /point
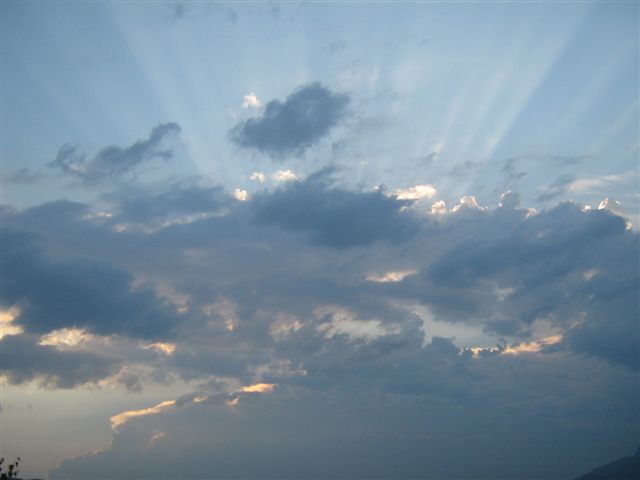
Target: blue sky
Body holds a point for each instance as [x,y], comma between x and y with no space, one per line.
[423,212]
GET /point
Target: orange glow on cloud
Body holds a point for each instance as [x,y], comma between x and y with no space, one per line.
[6,322]
[118,420]
[258,388]
[162,347]
[65,337]
[533,347]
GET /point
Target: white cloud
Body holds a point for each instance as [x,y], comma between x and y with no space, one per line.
[392,277]
[581,185]
[342,321]
[258,176]
[285,176]
[416,192]
[259,388]
[240,195]
[162,347]
[6,322]
[66,338]
[439,208]
[468,201]
[251,100]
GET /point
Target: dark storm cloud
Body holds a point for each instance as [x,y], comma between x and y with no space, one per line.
[335,217]
[290,127]
[24,360]
[79,292]
[114,163]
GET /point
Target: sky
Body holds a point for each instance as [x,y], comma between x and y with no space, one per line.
[319,239]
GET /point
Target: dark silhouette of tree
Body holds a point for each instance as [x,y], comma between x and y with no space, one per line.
[12,469]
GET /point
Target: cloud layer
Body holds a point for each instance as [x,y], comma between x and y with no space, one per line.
[348,300]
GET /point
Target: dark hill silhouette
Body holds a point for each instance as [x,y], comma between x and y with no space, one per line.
[622,469]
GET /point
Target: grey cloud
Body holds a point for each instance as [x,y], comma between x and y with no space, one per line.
[337,46]
[79,292]
[540,261]
[24,360]
[178,11]
[546,259]
[510,171]
[114,163]
[556,189]
[365,433]
[333,216]
[464,169]
[186,198]
[24,176]
[569,160]
[292,126]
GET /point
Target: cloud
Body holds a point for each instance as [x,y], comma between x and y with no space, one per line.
[364,433]
[292,126]
[464,169]
[272,295]
[78,292]
[117,421]
[24,176]
[568,184]
[236,269]
[510,171]
[416,192]
[177,200]
[114,163]
[556,189]
[25,360]
[335,217]
[544,257]
[240,195]
[285,176]
[251,100]
[258,176]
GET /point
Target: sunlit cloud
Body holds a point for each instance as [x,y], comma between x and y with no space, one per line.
[6,322]
[391,277]
[66,338]
[161,347]
[251,100]
[119,420]
[240,195]
[155,436]
[284,326]
[343,322]
[258,176]
[285,176]
[534,346]
[468,201]
[258,388]
[416,192]
[439,208]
